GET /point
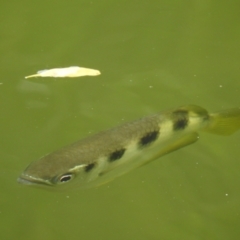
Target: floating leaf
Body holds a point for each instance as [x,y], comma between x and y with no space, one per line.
[66,72]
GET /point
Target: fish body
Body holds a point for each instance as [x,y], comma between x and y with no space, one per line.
[100,158]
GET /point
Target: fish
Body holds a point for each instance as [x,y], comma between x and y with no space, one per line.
[73,71]
[100,158]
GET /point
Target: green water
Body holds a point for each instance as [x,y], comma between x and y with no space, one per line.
[153,55]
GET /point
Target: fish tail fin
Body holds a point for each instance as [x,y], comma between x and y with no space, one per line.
[224,122]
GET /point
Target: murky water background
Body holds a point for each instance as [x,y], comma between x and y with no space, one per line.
[153,55]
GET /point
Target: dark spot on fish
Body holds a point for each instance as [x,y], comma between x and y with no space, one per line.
[89,167]
[180,119]
[148,138]
[116,155]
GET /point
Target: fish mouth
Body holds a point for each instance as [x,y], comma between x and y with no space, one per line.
[24,181]
[28,180]
[37,183]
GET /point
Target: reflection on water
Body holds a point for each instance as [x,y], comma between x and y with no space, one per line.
[34,91]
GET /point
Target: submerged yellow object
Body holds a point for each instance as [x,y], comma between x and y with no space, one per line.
[102,157]
[66,72]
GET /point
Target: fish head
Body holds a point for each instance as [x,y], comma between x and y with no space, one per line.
[54,170]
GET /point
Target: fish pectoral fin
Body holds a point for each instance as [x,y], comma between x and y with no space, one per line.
[176,144]
[172,145]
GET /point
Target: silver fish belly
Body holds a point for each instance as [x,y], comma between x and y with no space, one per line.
[102,157]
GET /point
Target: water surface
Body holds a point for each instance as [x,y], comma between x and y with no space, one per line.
[153,55]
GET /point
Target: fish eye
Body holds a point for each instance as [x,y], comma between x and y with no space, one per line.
[66,178]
